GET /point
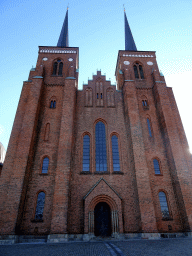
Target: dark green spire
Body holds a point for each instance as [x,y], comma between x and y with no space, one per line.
[129,41]
[64,36]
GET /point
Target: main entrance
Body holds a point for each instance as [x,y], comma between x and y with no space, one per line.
[102,214]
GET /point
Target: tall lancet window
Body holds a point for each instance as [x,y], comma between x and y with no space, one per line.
[86,153]
[100,148]
[40,206]
[57,68]
[138,70]
[149,127]
[45,165]
[115,153]
[164,206]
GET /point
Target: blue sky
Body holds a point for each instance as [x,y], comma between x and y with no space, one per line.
[97,28]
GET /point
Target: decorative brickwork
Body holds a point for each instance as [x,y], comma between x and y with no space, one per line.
[52,119]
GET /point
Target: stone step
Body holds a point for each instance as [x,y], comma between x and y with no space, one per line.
[32,239]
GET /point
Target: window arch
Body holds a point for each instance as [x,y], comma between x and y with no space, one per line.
[156,166]
[144,103]
[53,104]
[100,147]
[86,153]
[57,68]
[149,127]
[40,206]
[115,153]
[138,71]
[45,165]
[164,205]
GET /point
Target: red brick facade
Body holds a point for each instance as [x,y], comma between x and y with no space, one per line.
[71,194]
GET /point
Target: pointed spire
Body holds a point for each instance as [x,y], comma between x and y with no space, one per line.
[129,41]
[63,39]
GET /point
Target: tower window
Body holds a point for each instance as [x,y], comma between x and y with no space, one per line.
[40,206]
[138,70]
[164,206]
[156,166]
[144,103]
[45,165]
[86,153]
[100,148]
[101,96]
[115,153]
[149,127]
[60,68]
[53,104]
[57,68]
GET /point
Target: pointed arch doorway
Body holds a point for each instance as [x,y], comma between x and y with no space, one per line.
[102,213]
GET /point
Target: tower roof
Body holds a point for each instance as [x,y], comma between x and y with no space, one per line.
[129,41]
[64,39]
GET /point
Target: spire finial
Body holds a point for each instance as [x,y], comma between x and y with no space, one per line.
[129,41]
[63,39]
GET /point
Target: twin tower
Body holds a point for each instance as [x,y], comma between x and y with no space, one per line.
[103,161]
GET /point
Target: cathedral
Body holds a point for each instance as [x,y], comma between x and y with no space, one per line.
[107,160]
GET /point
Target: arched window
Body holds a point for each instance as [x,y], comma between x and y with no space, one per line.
[138,70]
[86,153]
[60,68]
[55,64]
[53,104]
[115,153]
[144,103]
[156,166]
[149,127]
[45,165]
[164,206]
[57,68]
[100,147]
[40,206]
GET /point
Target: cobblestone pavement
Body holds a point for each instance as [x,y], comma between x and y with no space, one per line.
[164,247]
